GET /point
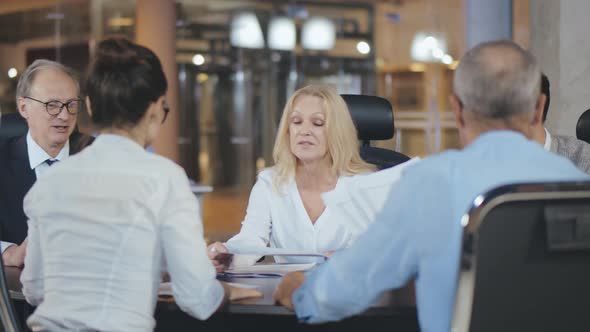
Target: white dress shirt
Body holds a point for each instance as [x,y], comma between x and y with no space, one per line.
[37,157]
[278,219]
[102,226]
[547,145]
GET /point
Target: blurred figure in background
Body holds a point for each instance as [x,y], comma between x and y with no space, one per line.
[315,147]
[574,149]
[102,224]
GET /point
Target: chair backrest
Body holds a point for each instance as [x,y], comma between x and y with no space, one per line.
[8,314]
[583,127]
[12,125]
[525,261]
[373,118]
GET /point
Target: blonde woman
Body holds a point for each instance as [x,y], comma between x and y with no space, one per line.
[316,146]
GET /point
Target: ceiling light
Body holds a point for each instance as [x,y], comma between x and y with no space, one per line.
[318,33]
[281,34]
[447,59]
[428,47]
[363,47]
[12,72]
[245,31]
[198,59]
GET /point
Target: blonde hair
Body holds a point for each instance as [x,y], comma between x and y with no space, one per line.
[342,141]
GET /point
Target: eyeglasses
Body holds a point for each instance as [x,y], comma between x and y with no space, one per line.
[54,107]
[166,111]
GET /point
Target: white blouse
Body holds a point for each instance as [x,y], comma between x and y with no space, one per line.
[103,225]
[279,220]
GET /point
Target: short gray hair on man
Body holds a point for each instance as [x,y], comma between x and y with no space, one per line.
[25,82]
[497,79]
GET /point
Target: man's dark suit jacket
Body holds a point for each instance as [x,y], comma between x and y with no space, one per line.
[16,178]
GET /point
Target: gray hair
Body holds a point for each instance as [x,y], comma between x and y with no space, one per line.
[497,79]
[25,82]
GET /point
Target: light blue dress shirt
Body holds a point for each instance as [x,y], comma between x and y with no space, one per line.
[418,232]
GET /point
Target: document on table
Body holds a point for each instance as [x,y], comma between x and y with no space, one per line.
[264,251]
[270,269]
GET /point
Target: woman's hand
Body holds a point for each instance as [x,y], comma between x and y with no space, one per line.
[219,256]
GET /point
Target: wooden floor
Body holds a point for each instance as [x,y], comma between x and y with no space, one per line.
[223,212]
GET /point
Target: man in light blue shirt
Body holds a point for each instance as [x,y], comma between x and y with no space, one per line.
[418,232]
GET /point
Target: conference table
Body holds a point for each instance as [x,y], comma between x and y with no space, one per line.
[395,311]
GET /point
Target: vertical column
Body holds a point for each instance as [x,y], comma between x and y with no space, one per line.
[156,28]
[558,32]
[487,20]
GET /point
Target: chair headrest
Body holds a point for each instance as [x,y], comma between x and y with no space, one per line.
[372,116]
[583,127]
[12,125]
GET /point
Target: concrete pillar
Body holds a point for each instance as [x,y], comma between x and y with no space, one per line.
[155,28]
[487,20]
[559,40]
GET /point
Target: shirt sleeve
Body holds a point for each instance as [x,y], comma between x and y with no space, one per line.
[256,226]
[193,277]
[32,275]
[385,257]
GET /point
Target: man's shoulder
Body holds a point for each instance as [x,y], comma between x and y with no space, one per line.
[564,142]
[576,150]
[570,146]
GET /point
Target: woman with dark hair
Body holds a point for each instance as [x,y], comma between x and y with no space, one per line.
[103,223]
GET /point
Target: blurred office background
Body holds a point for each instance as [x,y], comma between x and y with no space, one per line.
[232,65]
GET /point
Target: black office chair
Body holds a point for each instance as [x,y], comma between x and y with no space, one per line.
[12,125]
[583,127]
[8,316]
[373,118]
[525,261]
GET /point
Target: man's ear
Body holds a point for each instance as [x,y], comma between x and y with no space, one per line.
[21,105]
[457,109]
[88,108]
[539,107]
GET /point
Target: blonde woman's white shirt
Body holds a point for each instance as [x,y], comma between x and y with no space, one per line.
[361,197]
[278,219]
[103,225]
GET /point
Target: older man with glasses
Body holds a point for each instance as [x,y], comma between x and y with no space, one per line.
[48,99]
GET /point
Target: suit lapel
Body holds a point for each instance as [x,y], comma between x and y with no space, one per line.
[20,165]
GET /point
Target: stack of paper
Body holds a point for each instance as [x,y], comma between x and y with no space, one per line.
[280,269]
[267,251]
